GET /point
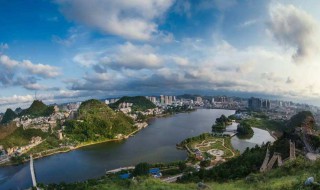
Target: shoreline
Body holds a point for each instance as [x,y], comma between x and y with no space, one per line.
[76,147]
[96,142]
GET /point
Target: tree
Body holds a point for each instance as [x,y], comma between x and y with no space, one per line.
[244,129]
[141,169]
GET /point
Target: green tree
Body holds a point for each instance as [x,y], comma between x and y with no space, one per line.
[141,169]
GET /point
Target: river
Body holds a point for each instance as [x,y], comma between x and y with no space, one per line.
[156,143]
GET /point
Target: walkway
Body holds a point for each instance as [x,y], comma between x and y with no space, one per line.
[33,176]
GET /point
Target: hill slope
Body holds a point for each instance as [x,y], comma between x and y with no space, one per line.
[8,116]
[38,109]
[140,103]
[96,121]
[290,176]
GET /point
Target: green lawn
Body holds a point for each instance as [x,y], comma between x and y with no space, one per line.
[216,145]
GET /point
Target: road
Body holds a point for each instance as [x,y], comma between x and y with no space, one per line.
[172,178]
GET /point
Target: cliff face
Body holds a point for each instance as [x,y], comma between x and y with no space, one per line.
[303,121]
[308,125]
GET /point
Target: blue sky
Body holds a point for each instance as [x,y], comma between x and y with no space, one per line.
[68,50]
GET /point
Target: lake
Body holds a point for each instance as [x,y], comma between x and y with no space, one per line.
[156,143]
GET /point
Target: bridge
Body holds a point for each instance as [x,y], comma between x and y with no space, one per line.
[33,176]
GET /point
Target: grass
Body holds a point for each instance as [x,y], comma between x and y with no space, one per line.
[6,130]
[266,124]
[49,143]
[290,176]
[217,145]
[21,137]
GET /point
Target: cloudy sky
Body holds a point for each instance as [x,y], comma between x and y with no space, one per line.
[75,49]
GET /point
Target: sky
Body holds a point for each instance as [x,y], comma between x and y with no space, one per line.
[70,50]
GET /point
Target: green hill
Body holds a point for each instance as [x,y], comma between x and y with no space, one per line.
[302,119]
[8,116]
[140,103]
[96,121]
[291,175]
[38,109]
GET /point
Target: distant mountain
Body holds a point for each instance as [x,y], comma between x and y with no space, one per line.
[8,116]
[18,110]
[96,121]
[38,109]
[140,103]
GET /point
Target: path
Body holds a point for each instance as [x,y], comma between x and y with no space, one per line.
[33,176]
[172,178]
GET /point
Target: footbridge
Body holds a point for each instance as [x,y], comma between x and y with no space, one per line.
[33,176]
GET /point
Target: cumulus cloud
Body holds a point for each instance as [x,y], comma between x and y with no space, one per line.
[45,71]
[24,73]
[295,28]
[125,56]
[181,61]
[134,19]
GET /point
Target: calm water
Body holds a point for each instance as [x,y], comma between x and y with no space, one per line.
[156,143]
[260,136]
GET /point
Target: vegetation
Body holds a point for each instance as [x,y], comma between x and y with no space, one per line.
[201,137]
[96,121]
[274,125]
[238,167]
[291,175]
[21,137]
[140,103]
[38,109]
[300,119]
[141,169]
[220,124]
[207,141]
[7,130]
[8,116]
[244,129]
[50,142]
[177,109]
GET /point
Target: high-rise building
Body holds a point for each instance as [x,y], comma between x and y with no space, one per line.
[170,100]
[107,102]
[254,103]
[161,99]
[174,98]
[198,99]
[266,104]
[153,100]
[166,100]
[212,101]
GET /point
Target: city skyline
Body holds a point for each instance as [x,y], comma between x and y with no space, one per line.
[67,50]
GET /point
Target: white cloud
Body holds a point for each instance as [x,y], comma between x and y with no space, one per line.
[125,56]
[7,62]
[86,59]
[134,19]
[45,71]
[295,28]
[180,60]
[137,57]
[248,23]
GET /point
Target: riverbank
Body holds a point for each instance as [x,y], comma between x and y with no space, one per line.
[71,148]
[85,144]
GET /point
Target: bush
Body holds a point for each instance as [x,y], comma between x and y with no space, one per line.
[141,169]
